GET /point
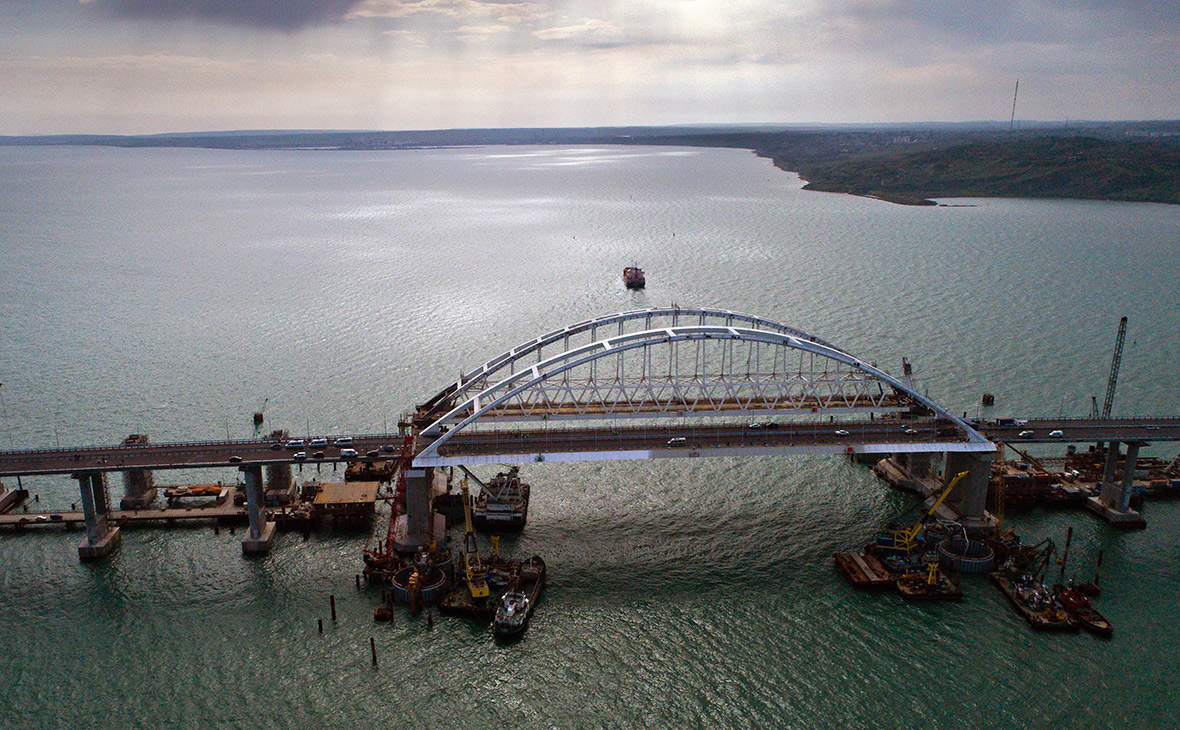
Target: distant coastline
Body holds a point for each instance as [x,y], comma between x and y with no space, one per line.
[907,165]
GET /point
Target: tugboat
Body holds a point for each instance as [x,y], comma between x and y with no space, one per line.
[633,277]
[518,602]
[1074,601]
[512,616]
[503,503]
[1033,601]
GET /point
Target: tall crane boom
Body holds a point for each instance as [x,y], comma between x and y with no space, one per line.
[1115,361]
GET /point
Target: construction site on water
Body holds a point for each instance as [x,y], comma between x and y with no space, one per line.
[922,559]
[926,559]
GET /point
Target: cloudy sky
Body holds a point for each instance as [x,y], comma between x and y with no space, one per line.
[134,66]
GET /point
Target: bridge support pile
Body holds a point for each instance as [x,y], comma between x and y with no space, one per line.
[1113,503]
[261,533]
[101,535]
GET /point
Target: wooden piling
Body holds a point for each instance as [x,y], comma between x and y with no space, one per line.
[321,624]
[373,649]
[332,601]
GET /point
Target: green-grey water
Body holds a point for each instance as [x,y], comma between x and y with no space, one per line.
[171,291]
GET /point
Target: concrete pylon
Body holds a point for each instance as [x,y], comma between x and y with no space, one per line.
[101,536]
[1113,503]
[420,523]
[278,477]
[261,533]
[139,486]
[969,498]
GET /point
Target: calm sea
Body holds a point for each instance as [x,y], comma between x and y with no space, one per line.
[175,292]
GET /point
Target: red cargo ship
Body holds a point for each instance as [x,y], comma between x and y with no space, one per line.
[633,277]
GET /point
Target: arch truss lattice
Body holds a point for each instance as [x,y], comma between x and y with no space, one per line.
[685,363]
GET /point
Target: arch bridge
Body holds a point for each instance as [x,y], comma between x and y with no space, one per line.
[666,383]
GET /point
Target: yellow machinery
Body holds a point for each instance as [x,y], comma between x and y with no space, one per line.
[476,581]
[905,539]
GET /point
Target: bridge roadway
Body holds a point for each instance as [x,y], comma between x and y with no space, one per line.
[189,455]
[881,436]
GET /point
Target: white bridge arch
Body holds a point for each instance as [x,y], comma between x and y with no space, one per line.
[683,363]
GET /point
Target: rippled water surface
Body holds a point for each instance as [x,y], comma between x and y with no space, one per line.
[171,291]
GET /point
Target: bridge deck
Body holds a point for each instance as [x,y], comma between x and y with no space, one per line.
[524,444]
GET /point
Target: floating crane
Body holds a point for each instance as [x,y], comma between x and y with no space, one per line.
[905,539]
[476,582]
[258,416]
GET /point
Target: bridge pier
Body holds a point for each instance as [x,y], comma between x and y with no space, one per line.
[139,486]
[1113,503]
[101,536]
[420,523]
[278,477]
[261,533]
[969,499]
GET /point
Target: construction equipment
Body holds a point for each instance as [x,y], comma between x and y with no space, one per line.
[476,578]
[258,416]
[1024,455]
[904,540]
[1115,361]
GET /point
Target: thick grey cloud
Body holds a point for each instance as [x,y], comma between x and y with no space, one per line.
[285,15]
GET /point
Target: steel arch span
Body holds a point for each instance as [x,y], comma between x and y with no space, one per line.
[683,363]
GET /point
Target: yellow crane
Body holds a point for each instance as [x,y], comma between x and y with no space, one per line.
[476,582]
[905,539]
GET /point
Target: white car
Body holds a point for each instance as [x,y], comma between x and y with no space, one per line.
[910,431]
[343,441]
[1025,434]
[841,432]
[299,455]
[1056,434]
[347,453]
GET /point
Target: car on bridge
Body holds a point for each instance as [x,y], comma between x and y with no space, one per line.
[299,455]
[1025,434]
[294,444]
[348,453]
[910,430]
[343,441]
[317,442]
[678,441]
[1056,434]
[841,432]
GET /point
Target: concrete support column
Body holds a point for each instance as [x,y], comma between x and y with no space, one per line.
[1108,491]
[419,483]
[139,489]
[139,486]
[261,533]
[1113,501]
[969,498]
[278,477]
[101,537]
[1128,476]
[920,465]
[420,524]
